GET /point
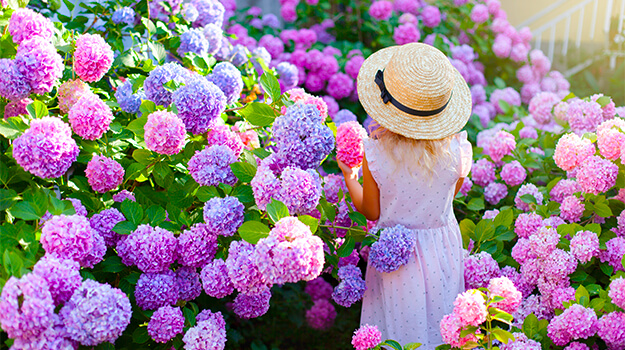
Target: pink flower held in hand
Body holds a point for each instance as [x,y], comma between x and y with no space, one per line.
[349,141]
[104,174]
[366,337]
[93,57]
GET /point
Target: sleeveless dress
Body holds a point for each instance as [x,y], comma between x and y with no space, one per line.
[408,304]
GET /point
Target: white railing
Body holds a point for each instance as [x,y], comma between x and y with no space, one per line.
[547,31]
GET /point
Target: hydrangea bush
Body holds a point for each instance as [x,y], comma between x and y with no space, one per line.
[168,178]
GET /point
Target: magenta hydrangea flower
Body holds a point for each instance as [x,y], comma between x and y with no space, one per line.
[13,85]
[431,16]
[479,269]
[617,292]
[199,103]
[609,110]
[26,306]
[92,58]
[350,148]
[351,287]
[62,276]
[39,63]
[615,249]
[530,189]
[611,329]
[513,173]
[252,305]
[584,116]
[165,324]
[576,322]
[164,133]
[610,138]
[503,287]
[69,237]
[153,85]
[366,337]
[196,246]
[152,249]
[46,149]
[290,253]
[479,13]
[207,334]
[123,195]
[211,166]
[495,192]
[221,134]
[103,223]
[215,280]
[521,342]
[541,105]
[508,95]
[333,184]
[571,209]
[223,216]
[154,290]
[104,174]
[470,307]
[70,92]
[406,33]
[16,108]
[243,271]
[352,66]
[596,175]
[527,224]
[381,10]
[90,117]
[466,186]
[321,315]
[300,190]
[502,46]
[26,23]
[300,95]
[571,151]
[483,172]
[544,241]
[340,85]
[188,283]
[450,328]
[318,288]
[564,188]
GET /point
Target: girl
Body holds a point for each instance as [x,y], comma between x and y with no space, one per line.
[414,166]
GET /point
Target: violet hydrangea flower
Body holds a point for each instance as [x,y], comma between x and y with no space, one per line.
[483,172]
[610,329]
[243,271]
[351,287]
[495,192]
[154,290]
[104,174]
[25,24]
[393,249]
[206,334]
[211,166]
[13,85]
[165,324]
[479,269]
[103,223]
[152,249]
[123,15]
[252,305]
[196,246]
[318,288]
[188,283]
[62,276]
[69,237]
[128,101]
[215,280]
[228,79]
[209,11]
[597,175]
[39,63]
[153,84]
[321,315]
[381,10]
[221,134]
[193,40]
[199,103]
[223,216]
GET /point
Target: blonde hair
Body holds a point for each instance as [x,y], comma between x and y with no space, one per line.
[424,155]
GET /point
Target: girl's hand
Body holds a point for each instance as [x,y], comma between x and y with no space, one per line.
[348,173]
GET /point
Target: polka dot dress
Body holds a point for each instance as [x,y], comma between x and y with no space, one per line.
[408,304]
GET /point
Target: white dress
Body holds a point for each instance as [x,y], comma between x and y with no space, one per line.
[408,304]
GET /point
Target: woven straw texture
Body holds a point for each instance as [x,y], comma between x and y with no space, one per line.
[420,77]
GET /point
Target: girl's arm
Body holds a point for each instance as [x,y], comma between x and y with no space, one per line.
[366,198]
[458,185]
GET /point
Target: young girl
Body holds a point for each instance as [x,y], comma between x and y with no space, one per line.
[414,166]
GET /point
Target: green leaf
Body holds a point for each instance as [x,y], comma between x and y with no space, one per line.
[530,325]
[137,125]
[484,231]
[393,344]
[502,335]
[603,210]
[243,171]
[7,198]
[327,210]
[277,210]
[205,193]
[347,247]
[528,198]
[155,214]
[142,156]
[124,227]
[604,101]
[503,317]
[244,193]
[261,153]
[58,207]
[25,211]
[309,221]
[270,84]
[623,262]
[500,83]
[132,211]
[412,346]
[140,335]
[112,264]
[504,218]
[581,292]
[13,127]
[258,113]
[253,231]
[476,204]
[358,218]
[37,109]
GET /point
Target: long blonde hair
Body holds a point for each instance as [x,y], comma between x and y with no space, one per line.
[425,155]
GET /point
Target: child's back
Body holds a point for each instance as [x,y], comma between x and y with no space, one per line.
[408,304]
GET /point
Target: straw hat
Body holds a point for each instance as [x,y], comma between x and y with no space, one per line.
[413,90]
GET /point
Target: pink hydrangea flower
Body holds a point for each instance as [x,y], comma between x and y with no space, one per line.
[495,192]
[70,92]
[527,189]
[609,110]
[470,307]
[563,189]
[571,151]
[164,133]
[93,57]
[544,241]
[300,95]
[90,117]
[104,174]
[366,337]
[541,105]
[39,63]
[431,16]
[576,322]
[584,116]
[612,329]
[617,292]
[527,224]
[513,173]
[571,209]
[479,13]
[502,46]
[406,33]
[509,95]
[615,249]
[349,140]
[483,172]
[503,287]
[450,328]
[381,10]
[610,138]
[26,23]
[502,144]
[340,85]
[597,175]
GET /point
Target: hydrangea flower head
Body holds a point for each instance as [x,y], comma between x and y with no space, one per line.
[495,192]
[164,133]
[227,78]
[165,324]
[318,288]
[96,313]
[527,189]
[483,172]
[104,174]
[617,292]
[153,84]
[615,249]
[188,283]
[406,33]
[597,175]
[349,140]
[381,10]
[92,58]
[508,95]
[26,306]
[90,117]
[16,108]
[610,138]
[503,287]
[69,237]
[393,249]
[252,305]
[470,307]
[501,144]
[366,337]
[123,15]
[209,11]
[62,276]
[221,134]
[300,190]
[572,151]
[123,195]
[152,249]
[321,315]
[571,209]
[207,334]
[450,328]
[39,63]
[154,290]
[290,253]
[211,166]
[332,185]
[70,92]
[26,23]
[541,106]
[611,329]
[351,287]
[223,216]
[196,246]
[431,16]
[584,116]
[576,322]
[103,223]
[479,269]
[479,13]
[563,189]
[46,149]
[243,271]
[199,103]
[215,280]
[300,95]
[513,173]
[128,101]
[13,85]
[521,342]
[193,40]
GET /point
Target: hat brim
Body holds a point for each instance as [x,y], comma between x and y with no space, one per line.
[438,126]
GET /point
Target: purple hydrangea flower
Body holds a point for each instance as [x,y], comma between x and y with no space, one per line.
[46,149]
[215,279]
[165,324]
[211,166]
[223,216]
[188,283]
[351,288]
[90,117]
[483,172]
[584,116]
[199,103]
[563,189]
[495,192]
[252,305]
[300,190]
[318,288]
[288,75]
[196,246]
[333,184]
[340,86]
[239,55]
[321,315]
[189,12]
[614,252]
[214,36]
[193,40]
[96,313]
[152,249]
[271,20]
[393,249]
[123,15]
[245,275]
[26,306]
[104,174]
[344,116]
[227,78]
[479,269]
[13,85]
[221,134]
[123,195]
[208,334]
[527,224]
[530,189]
[154,290]
[16,108]
[62,276]
[128,101]
[513,173]
[103,223]
[210,11]
[576,322]
[25,24]
[153,84]
[69,237]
